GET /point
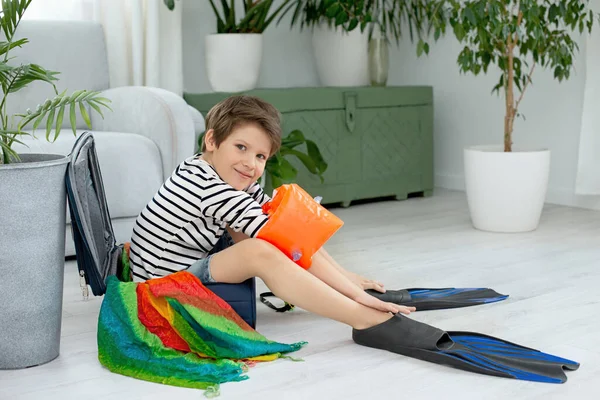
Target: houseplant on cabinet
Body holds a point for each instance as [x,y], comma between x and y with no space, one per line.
[351,38]
[32,195]
[234,53]
[506,185]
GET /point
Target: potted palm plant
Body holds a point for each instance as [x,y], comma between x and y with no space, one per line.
[32,195]
[506,184]
[234,53]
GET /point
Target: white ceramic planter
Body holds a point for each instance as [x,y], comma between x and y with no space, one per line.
[506,191]
[233,61]
[342,58]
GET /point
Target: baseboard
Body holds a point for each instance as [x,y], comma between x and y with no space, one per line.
[449,181]
[559,196]
[568,198]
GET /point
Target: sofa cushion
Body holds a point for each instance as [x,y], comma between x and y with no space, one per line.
[130,164]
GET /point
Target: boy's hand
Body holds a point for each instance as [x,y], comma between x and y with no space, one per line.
[365,283]
[373,302]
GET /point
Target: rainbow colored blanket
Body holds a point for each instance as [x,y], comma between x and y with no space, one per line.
[175,331]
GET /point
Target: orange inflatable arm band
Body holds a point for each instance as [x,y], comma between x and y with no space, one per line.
[298,225]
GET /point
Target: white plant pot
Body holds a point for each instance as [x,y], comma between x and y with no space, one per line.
[233,61]
[506,190]
[342,58]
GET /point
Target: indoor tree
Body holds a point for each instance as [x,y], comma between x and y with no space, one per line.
[517,36]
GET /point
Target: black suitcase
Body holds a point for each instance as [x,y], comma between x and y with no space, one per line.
[98,255]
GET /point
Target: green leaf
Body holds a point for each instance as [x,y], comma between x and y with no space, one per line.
[287,172]
[276,181]
[341,18]
[170,4]
[353,24]
[7,46]
[304,158]
[293,139]
[558,72]
[73,118]
[49,123]
[332,10]
[420,47]
[470,15]
[59,120]
[459,32]
[38,120]
[85,115]
[95,106]
[315,155]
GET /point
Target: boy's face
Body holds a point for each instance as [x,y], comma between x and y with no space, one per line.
[241,158]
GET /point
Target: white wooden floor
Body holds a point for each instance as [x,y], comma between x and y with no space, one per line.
[552,276]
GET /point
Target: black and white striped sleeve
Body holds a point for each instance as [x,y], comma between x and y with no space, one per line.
[258,194]
[236,208]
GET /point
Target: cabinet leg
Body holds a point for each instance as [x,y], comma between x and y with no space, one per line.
[346,203]
[402,196]
[428,193]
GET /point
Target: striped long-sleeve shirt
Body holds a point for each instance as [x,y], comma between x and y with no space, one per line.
[187,216]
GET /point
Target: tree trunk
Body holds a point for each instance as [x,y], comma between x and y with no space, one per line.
[509,117]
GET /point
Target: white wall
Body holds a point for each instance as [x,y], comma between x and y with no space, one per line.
[466,113]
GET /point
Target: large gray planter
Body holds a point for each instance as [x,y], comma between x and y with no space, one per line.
[32,252]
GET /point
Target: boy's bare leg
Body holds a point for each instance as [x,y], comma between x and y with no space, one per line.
[347,283]
[289,282]
[360,281]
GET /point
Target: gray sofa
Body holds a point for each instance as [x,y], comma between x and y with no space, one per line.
[139,143]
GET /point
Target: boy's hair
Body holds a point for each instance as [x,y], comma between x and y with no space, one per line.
[224,116]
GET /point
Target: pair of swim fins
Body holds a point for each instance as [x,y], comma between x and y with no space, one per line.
[469,351]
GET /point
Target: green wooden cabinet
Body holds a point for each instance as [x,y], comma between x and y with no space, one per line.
[377,141]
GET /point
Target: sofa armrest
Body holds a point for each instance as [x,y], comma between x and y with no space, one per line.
[155,113]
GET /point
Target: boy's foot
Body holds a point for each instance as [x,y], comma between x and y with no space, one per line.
[378,319]
[399,332]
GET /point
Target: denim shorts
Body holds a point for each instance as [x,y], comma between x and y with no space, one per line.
[201,268]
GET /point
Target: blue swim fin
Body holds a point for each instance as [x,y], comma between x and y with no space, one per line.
[468,351]
[436,299]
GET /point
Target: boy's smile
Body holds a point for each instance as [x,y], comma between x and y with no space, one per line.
[241,158]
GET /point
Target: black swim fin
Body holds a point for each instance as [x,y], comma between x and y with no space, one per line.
[436,299]
[469,351]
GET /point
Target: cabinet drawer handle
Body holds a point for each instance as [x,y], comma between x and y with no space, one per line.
[350,107]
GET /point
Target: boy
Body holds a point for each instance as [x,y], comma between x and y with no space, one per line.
[205,217]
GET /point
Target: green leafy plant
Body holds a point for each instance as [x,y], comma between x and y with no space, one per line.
[279,169]
[389,16]
[515,36]
[256,16]
[16,77]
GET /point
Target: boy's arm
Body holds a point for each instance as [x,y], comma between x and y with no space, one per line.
[237,236]
[261,197]
[236,208]
[257,193]
[360,281]
[328,273]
